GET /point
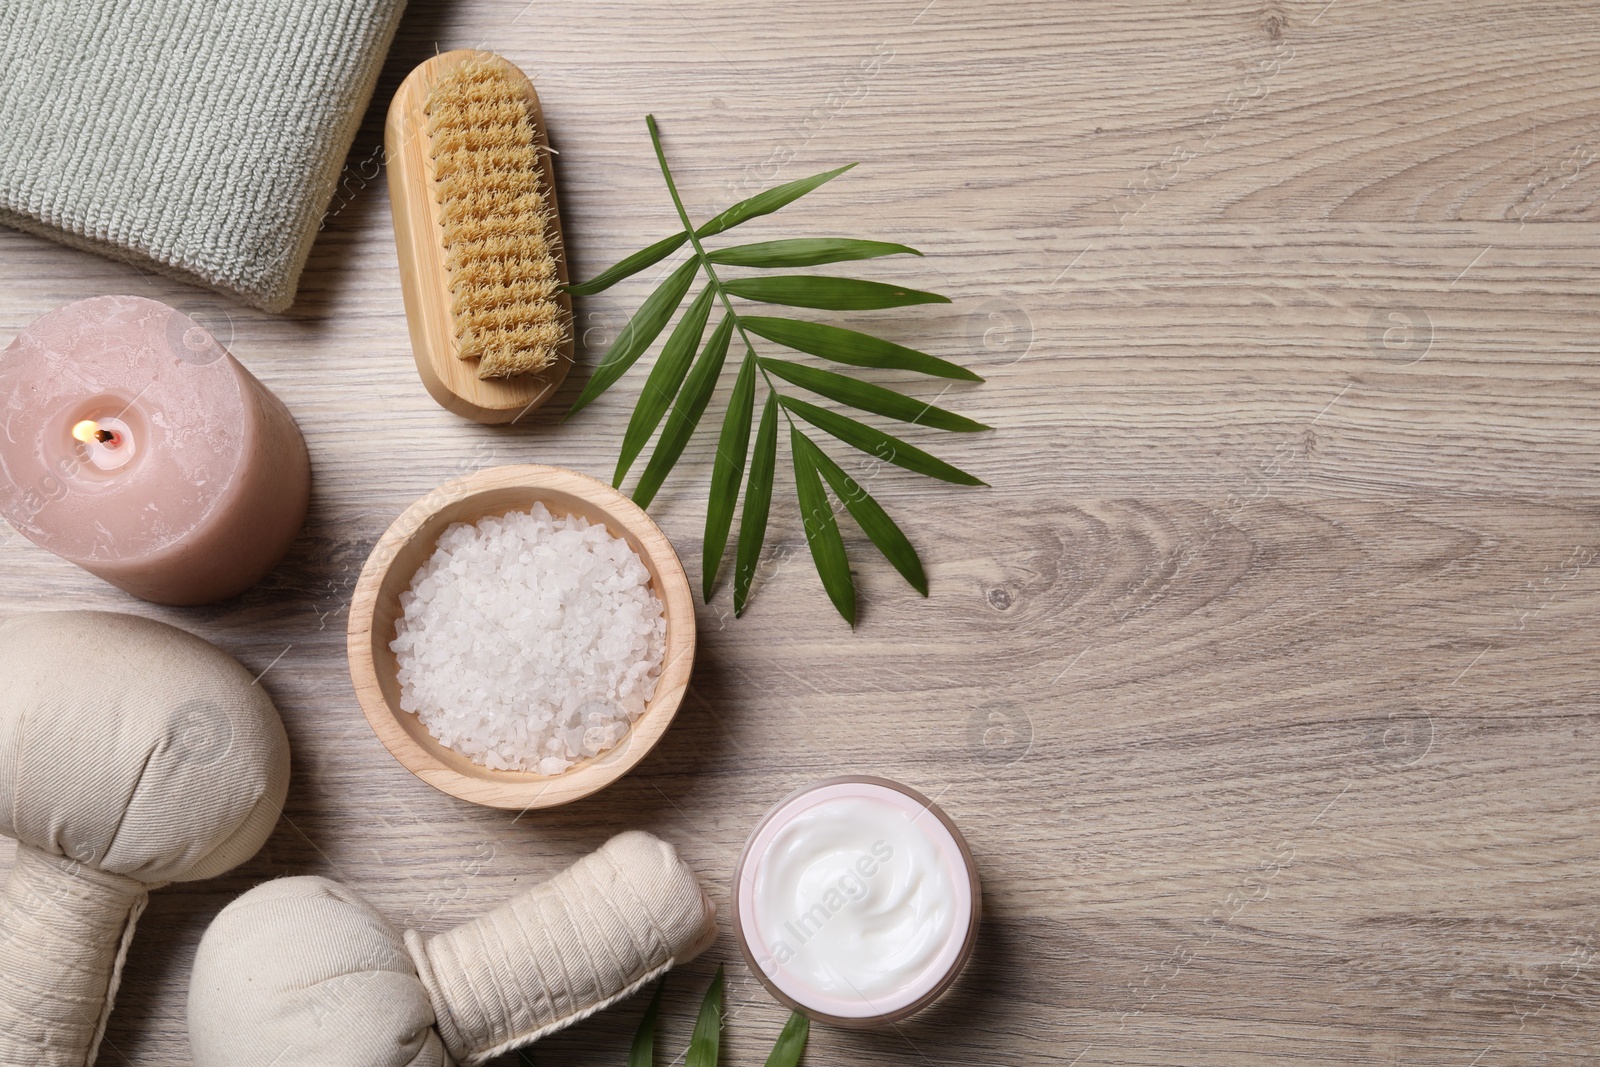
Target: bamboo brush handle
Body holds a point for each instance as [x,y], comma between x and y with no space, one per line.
[425,281]
[64,930]
[580,942]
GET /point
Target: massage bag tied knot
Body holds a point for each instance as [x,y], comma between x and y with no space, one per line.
[301,972]
[131,754]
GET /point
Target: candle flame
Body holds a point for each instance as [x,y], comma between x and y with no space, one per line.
[86,430]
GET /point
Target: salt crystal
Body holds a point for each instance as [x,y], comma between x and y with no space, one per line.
[529,641]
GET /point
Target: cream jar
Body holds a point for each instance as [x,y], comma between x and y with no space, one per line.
[856,901]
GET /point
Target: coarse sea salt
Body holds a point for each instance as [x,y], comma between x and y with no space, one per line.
[529,641]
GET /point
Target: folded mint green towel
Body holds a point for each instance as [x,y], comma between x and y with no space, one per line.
[199,137]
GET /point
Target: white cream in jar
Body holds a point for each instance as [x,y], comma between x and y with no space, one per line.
[856,901]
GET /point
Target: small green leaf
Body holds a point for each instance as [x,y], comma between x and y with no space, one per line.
[646,324]
[830,294]
[630,266]
[791,1043]
[706,1043]
[822,530]
[805,252]
[686,412]
[757,503]
[874,522]
[851,347]
[875,442]
[766,203]
[869,397]
[644,1040]
[726,470]
[665,379]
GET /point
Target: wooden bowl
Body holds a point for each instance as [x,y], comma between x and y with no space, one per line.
[408,544]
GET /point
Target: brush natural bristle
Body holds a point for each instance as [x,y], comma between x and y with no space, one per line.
[497,221]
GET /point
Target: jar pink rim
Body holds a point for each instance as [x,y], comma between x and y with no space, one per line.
[962,955]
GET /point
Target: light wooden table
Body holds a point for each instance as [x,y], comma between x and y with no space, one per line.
[1263,679]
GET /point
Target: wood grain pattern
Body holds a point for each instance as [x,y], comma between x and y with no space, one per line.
[407,545]
[1262,680]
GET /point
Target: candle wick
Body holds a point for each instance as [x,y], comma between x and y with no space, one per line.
[104,436]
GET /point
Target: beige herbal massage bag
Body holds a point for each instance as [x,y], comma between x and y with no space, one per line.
[132,754]
[302,972]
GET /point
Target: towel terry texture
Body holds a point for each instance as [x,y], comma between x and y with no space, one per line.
[202,138]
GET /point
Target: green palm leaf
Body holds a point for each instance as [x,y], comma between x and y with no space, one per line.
[704,1046]
[877,443]
[645,326]
[665,379]
[643,1053]
[706,1043]
[830,294]
[791,1043]
[757,504]
[851,347]
[630,266]
[726,470]
[822,530]
[680,387]
[874,522]
[766,203]
[691,404]
[869,397]
[805,252]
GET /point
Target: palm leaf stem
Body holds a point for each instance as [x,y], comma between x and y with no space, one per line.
[705,261]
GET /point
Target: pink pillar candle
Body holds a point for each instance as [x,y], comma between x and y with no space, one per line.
[134,445]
